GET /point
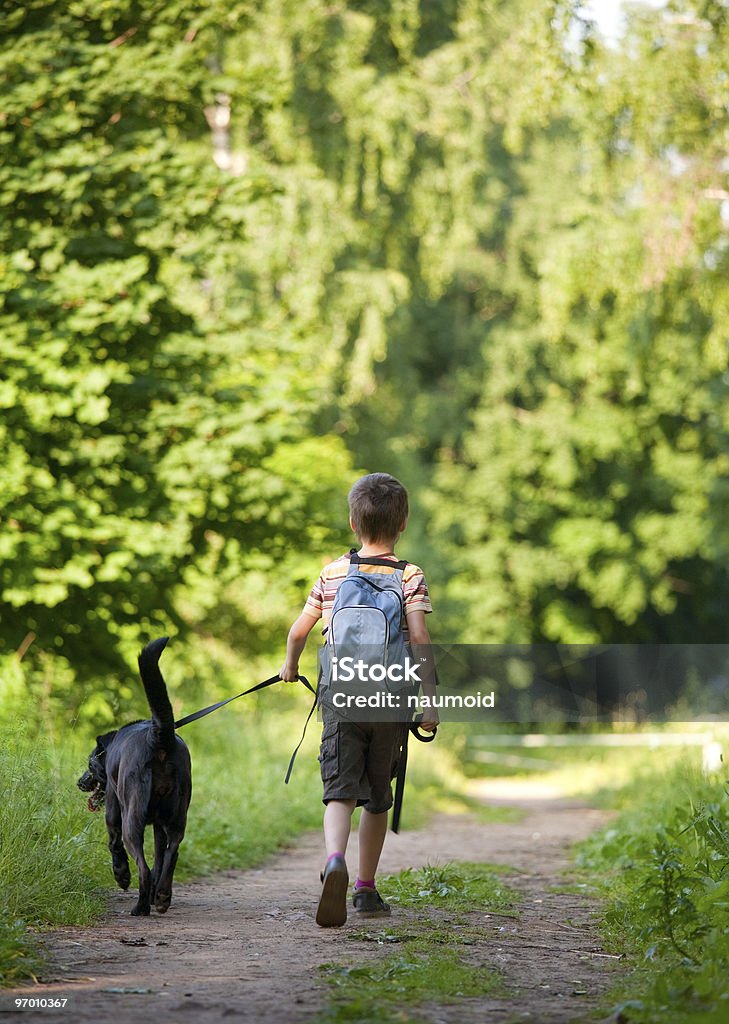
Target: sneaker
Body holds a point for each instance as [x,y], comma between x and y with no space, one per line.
[369,903]
[332,909]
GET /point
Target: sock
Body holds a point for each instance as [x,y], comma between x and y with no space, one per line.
[337,854]
[360,884]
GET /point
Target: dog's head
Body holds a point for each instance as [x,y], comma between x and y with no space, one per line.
[93,781]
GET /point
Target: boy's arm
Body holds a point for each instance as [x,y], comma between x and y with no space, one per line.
[295,644]
[423,652]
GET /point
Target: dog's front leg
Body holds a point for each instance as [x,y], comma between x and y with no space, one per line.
[119,859]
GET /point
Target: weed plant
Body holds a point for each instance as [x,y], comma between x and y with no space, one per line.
[665,866]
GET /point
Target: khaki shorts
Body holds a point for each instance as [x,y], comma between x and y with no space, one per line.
[358,762]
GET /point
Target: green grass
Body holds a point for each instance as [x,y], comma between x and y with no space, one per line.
[390,988]
[18,957]
[464,886]
[429,959]
[50,864]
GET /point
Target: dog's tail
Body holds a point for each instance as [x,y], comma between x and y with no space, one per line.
[163,720]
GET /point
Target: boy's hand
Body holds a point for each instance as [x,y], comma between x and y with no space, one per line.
[430,722]
[295,643]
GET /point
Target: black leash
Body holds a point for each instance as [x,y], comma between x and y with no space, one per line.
[412,727]
[303,731]
[259,686]
[402,765]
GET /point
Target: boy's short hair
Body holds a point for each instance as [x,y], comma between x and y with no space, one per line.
[378,504]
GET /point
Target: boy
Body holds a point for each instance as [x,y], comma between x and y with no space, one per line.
[358,758]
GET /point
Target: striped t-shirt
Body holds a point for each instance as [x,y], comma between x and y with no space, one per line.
[321,599]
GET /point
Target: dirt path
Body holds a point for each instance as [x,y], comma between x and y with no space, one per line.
[244,944]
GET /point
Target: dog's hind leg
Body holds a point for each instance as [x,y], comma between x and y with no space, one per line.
[119,859]
[134,842]
[163,894]
[160,847]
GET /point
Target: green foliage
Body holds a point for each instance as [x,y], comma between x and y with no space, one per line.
[466,243]
[158,458]
[585,495]
[383,126]
[665,865]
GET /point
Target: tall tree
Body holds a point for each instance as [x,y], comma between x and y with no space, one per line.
[392,131]
[590,489]
[150,432]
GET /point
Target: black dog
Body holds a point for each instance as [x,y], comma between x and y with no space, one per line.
[142,771]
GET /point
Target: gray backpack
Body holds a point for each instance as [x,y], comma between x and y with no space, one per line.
[365,650]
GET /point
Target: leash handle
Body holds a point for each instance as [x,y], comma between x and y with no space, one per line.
[424,737]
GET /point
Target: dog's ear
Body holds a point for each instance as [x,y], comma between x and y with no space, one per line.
[102,742]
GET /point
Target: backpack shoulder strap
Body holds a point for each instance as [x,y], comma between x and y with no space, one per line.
[354,560]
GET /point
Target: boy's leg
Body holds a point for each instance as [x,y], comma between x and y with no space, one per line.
[337,825]
[332,909]
[381,760]
[366,899]
[372,832]
[341,770]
